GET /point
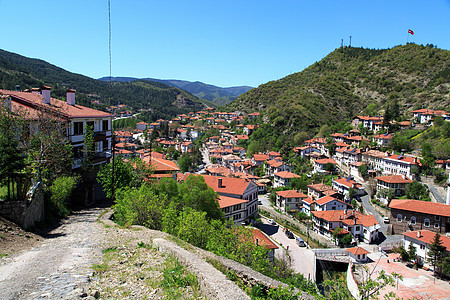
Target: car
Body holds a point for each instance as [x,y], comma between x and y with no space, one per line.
[300,242]
[386,220]
[259,202]
[289,234]
[272,222]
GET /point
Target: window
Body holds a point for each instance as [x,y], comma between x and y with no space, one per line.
[436,225]
[105,146]
[399,218]
[437,218]
[422,246]
[426,222]
[78,152]
[413,220]
[90,124]
[77,128]
[105,125]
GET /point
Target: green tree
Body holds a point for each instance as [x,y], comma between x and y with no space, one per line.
[363,170]
[124,176]
[253,148]
[185,163]
[300,137]
[331,146]
[61,190]
[324,131]
[418,191]
[412,253]
[401,143]
[436,254]
[428,159]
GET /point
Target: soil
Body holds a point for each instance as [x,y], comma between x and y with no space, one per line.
[14,239]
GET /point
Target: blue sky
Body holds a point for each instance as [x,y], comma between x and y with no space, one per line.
[225,43]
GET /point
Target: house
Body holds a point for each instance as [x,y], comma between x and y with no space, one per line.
[259,159]
[410,215]
[141,126]
[236,188]
[362,227]
[319,190]
[290,200]
[304,151]
[77,118]
[426,115]
[401,164]
[308,205]
[161,167]
[422,240]
[233,208]
[358,254]
[275,166]
[382,140]
[343,186]
[320,165]
[396,183]
[260,239]
[283,178]
[330,203]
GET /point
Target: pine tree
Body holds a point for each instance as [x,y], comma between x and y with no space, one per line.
[436,253]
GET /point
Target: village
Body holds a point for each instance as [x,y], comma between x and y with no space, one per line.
[357,210]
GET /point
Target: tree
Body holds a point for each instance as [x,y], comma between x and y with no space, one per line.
[253,148]
[300,137]
[363,170]
[401,143]
[436,253]
[371,287]
[428,160]
[331,146]
[418,191]
[124,176]
[185,163]
[324,131]
[412,252]
[12,159]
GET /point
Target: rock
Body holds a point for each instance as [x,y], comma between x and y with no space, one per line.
[95,294]
[83,295]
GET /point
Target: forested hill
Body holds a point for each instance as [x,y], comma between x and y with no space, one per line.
[215,94]
[342,84]
[160,98]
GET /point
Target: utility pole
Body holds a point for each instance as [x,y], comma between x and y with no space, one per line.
[342,43]
[350,41]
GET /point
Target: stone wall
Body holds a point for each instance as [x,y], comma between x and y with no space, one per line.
[28,212]
[352,285]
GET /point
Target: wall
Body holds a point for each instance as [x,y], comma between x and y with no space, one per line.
[351,282]
[26,213]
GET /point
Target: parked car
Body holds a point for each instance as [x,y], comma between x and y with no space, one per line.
[289,234]
[386,220]
[300,242]
[259,202]
[272,222]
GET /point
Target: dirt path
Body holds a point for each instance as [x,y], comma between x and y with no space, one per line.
[57,266]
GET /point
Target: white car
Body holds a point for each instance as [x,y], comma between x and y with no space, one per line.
[386,220]
[272,222]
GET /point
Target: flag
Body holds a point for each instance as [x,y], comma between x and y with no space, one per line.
[410,31]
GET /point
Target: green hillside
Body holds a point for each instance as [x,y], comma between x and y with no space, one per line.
[342,84]
[160,99]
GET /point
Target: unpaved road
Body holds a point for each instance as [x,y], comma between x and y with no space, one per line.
[56,267]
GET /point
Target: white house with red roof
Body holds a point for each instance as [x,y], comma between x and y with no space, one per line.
[330,203]
[236,188]
[308,205]
[233,208]
[260,158]
[362,227]
[396,183]
[283,178]
[290,200]
[275,166]
[426,115]
[305,150]
[343,186]
[76,116]
[400,164]
[358,254]
[141,126]
[422,240]
[382,140]
[320,164]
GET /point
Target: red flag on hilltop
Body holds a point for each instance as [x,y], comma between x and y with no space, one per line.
[410,31]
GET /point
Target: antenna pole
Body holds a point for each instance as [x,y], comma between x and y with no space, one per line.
[342,43]
[350,41]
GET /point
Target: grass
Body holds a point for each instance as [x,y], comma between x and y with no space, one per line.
[176,278]
[3,255]
[100,268]
[108,250]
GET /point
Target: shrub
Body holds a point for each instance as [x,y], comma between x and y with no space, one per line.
[60,191]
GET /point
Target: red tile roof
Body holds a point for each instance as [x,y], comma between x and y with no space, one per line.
[325,161]
[160,164]
[320,187]
[234,186]
[425,207]
[225,201]
[394,179]
[357,251]
[59,106]
[261,157]
[346,218]
[261,239]
[291,194]
[286,174]
[348,183]
[326,199]
[427,237]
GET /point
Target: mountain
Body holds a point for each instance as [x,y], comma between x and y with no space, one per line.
[215,94]
[158,99]
[344,83]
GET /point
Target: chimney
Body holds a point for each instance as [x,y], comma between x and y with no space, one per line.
[386,154]
[45,90]
[403,176]
[220,182]
[354,185]
[35,91]
[418,233]
[70,97]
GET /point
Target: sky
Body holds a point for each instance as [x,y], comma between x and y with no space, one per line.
[225,43]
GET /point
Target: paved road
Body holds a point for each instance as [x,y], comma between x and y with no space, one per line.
[439,197]
[302,258]
[59,265]
[365,200]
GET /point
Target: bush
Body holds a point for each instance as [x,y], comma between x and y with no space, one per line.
[60,192]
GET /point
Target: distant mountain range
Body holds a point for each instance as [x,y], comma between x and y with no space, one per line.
[215,94]
[159,100]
